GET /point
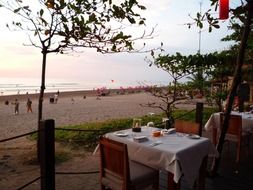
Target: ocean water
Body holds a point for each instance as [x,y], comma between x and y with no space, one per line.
[12,86]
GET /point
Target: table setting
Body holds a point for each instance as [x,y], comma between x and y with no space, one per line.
[165,149]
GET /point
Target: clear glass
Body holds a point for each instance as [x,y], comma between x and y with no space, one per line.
[136,123]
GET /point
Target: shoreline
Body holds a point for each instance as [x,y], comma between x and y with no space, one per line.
[81,93]
[48,94]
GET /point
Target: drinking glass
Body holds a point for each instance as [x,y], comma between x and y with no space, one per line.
[136,123]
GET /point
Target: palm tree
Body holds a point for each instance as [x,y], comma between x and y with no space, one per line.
[198,81]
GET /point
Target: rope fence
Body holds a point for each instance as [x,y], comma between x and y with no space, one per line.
[59,172]
[46,149]
[80,130]
[18,136]
[29,183]
[76,173]
[183,115]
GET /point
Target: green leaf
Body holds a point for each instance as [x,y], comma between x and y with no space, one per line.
[64,19]
[92,18]
[141,22]
[200,25]
[43,21]
[16,10]
[142,7]
[26,8]
[216,26]
[152,53]
[132,2]
[41,12]
[131,20]
[114,48]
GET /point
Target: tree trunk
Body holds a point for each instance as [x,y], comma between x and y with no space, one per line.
[40,107]
[236,81]
[175,90]
[42,87]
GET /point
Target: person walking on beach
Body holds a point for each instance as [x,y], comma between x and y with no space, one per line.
[16,107]
[29,105]
[56,98]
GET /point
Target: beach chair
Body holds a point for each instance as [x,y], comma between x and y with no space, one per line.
[119,173]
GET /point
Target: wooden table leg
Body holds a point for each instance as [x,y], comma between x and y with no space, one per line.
[202,174]
[172,185]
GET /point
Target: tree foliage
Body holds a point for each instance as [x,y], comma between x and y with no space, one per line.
[60,25]
[178,67]
[63,26]
[215,66]
[244,13]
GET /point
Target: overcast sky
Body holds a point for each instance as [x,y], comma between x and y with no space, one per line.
[170,16]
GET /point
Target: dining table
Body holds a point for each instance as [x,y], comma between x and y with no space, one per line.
[179,154]
[213,123]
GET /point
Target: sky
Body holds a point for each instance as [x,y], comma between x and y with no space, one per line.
[169,17]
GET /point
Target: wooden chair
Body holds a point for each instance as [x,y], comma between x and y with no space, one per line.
[187,127]
[235,133]
[119,173]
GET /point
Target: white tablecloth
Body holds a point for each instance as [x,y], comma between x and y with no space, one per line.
[247,121]
[179,155]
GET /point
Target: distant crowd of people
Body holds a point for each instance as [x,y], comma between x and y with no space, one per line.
[52,100]
[29,102]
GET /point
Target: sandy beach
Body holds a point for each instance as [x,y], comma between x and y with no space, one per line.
[16,165]
[72,109]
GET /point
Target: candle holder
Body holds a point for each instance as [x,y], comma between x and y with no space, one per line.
[136,127]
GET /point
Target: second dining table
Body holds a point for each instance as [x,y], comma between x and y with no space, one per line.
[247,121]
[177,153]
[213,123]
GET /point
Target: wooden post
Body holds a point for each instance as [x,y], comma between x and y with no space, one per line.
[199,116]
[47,154]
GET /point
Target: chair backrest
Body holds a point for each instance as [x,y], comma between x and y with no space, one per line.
[187,127]
[234,124]
[114,164]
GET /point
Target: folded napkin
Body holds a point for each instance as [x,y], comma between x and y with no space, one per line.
[140,139]
[168,131]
